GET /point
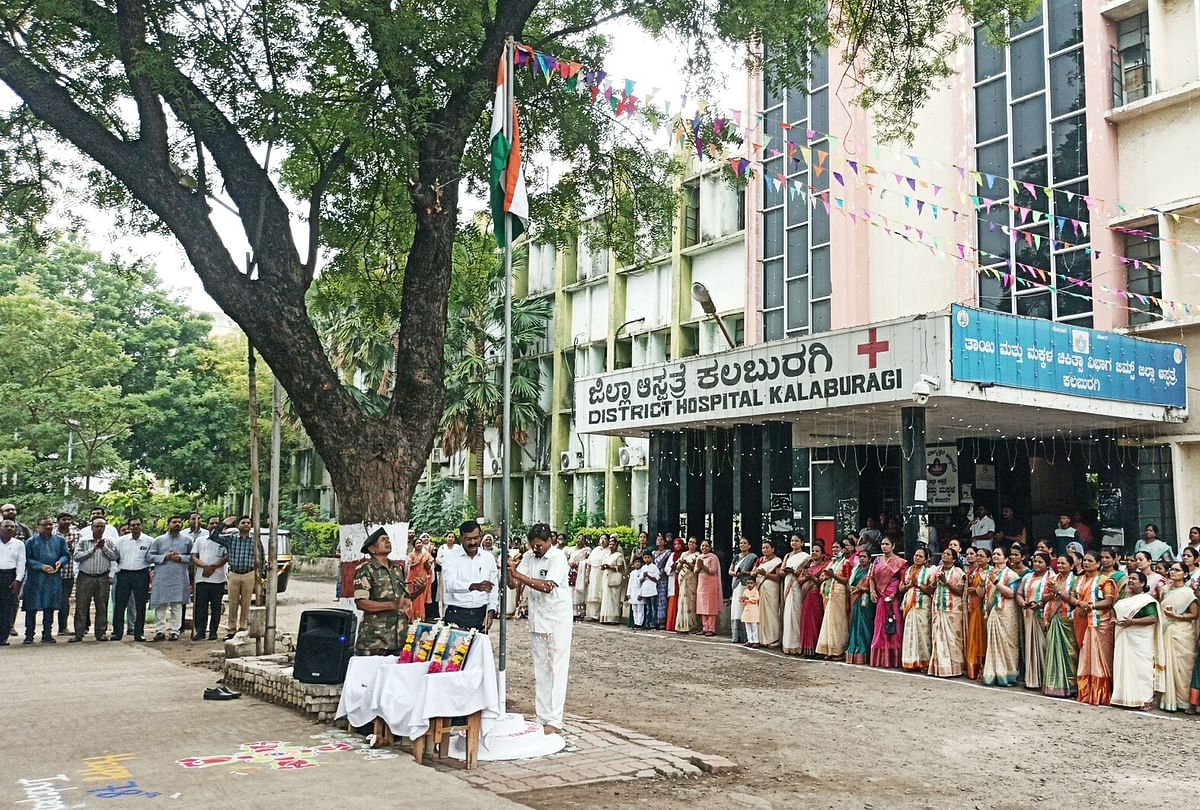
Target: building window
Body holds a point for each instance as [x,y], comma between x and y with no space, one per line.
[796,270]
[1142,248]
[1030,126]
[1131,63]
[691,214]
[1156,491]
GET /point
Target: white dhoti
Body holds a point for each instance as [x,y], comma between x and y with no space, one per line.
[551,660]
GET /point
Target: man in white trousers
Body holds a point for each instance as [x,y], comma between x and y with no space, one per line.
[543,571]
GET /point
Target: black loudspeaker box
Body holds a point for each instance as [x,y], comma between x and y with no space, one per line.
[324,645]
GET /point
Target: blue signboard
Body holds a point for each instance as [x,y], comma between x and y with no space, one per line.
[1040,355]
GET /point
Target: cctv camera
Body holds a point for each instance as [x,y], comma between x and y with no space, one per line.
[921,392]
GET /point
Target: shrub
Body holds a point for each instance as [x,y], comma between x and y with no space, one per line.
[315,539]
[626,535]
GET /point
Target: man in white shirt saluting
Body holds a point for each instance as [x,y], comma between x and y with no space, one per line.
[472,583]
[543,571]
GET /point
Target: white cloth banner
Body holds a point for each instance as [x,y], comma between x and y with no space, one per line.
[407,697]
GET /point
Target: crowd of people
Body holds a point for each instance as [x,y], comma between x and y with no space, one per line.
[1094,624]
[42,568]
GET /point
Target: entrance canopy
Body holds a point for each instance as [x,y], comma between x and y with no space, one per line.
[978,374]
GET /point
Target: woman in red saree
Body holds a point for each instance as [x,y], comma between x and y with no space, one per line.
[888,640]
[977,569]
[420,566]
[1093,596]
[673,590]
[813,610]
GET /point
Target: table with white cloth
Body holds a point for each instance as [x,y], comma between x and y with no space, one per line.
[409,699]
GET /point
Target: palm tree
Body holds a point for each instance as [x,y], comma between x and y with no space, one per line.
[475,351]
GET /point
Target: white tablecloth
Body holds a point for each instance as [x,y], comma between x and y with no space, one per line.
[407,697]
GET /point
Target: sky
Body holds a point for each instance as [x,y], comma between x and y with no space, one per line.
[633,55]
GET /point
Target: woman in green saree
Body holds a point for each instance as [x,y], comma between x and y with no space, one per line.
[862,610]
[1061,655]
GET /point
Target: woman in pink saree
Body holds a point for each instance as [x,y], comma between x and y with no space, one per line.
[813,612]
[888,641]
[708,588]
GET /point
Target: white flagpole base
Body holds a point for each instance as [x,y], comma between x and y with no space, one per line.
[510,737]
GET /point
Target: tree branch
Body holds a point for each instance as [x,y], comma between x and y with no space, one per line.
[314,207]
[131,28]
[588,26]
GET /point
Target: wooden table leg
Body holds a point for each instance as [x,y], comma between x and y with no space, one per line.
[431,736]
[474,729]
[377,731]
[419,748]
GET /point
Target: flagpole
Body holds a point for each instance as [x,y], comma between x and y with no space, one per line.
[505,430]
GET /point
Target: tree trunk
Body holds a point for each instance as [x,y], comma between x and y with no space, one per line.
[478,449]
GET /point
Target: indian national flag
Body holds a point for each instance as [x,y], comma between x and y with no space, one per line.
[507,177]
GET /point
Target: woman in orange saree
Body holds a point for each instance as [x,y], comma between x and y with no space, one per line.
[976,627]
[1093,596]
[420,566]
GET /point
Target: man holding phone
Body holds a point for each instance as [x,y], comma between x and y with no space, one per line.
[472,583]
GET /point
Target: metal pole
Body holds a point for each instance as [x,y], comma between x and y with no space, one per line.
[505,429]
[70,455]
[255,487]
[273,519]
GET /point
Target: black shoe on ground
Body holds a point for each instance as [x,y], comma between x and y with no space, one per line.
[103,638]
[197,637]
[116,638]
[141,639]
[49,640]
[217,694]
[173,637]
[74,640]
[27,641]
[160,636]
[212,636]
[229,691]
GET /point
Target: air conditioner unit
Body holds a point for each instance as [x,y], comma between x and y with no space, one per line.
[438,456]
[631,457]
[495,466]
[567,462]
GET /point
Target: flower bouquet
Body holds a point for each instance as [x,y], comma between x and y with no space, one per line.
[459,650]
[439,650]
[426,642]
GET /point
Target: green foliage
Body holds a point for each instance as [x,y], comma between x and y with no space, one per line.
[626,535]
[436,509]
[137,497]
[315,539]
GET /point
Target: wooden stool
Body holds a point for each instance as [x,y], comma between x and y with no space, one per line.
[437,738]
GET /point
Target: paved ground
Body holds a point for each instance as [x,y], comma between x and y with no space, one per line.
[107,725]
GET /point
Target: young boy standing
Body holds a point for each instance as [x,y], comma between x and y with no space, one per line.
[750,612]
[633,593]
[649,590]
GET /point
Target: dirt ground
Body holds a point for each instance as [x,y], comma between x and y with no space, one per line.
[821,734]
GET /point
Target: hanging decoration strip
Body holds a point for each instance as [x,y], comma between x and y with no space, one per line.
[621,98]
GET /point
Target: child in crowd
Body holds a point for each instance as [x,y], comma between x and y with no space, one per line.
[649,590]
[750,612]
[633,592]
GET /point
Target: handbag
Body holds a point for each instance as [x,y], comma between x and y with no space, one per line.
[889,626]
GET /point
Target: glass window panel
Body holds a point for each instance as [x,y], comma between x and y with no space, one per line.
[820,110]
[771,125]
[797,255]
[989,60]
[1035,305]
[799,467]
[771,95]
[820,225]
[1065,23]
[773,325]
[797,207]
[1073,299]
[797,303]
[773,283]
[819,69]
[993,294]
[1028,69]
[771,197]
[991,111]
[773,234]
[1073,208]
[1036,173]
[1029,128]
[1020,27]
[824,496]
[993,159]
[993,242]
[797,105]
[1070,148]
[1066,83]
[822,286]
[822,316]
[822,182]
[1037,254]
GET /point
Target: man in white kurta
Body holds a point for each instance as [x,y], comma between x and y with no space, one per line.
[543,571]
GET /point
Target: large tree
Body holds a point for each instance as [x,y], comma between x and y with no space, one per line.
[378,109]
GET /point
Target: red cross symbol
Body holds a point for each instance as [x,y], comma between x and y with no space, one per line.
[873,347]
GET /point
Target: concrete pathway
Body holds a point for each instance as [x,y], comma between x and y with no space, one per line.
[118,725]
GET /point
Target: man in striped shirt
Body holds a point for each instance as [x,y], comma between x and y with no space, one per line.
[245,561]
[95,555]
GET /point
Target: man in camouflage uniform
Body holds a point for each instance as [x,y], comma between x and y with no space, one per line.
[381,593]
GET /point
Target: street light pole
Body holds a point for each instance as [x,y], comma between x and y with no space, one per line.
[704,299]
[273,518]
